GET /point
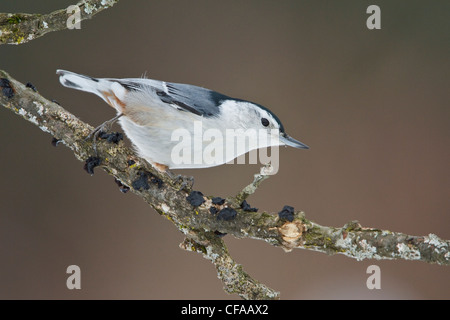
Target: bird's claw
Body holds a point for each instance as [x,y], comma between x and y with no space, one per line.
[104,127]
[186,182]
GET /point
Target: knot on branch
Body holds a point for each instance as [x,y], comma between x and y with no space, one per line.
[291,234]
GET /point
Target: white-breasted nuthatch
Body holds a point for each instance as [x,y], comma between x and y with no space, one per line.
[150,111]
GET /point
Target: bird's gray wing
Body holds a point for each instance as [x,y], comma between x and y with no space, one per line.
[198,100]
[185,97]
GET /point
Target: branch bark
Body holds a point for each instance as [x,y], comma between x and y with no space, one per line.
[19,28]
[202,222]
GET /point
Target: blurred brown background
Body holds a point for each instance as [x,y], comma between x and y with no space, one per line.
[372,104]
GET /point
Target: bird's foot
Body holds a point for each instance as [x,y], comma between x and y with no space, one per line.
[102,129]
[186,182]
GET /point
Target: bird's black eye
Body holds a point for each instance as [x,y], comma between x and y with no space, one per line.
[264,122]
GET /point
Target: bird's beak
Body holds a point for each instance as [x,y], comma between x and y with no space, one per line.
[289,141]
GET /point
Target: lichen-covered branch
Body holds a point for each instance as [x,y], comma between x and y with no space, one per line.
[205,219]
[252,187]
[361,243]
[19,28]
[234,278]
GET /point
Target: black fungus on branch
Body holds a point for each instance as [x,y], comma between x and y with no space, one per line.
[55,142]
[157,181]
[219,234]
[226,214]
[246,207]
[287,213]
[91,163]
[31,86]
[113,137]
[195,198]
[218,201]
[7,89]
[123,188]
[141,182]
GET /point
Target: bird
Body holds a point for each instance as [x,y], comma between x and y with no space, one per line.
[168,121]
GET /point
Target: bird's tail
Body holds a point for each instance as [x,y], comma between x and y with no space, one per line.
[109,90]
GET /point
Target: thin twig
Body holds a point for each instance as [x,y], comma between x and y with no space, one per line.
[250,189]
[232,275]
[19,28]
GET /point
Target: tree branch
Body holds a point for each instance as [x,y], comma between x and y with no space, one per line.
[19,28]
[202,219]
[234,278]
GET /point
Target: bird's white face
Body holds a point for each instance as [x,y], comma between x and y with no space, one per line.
[248,116]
